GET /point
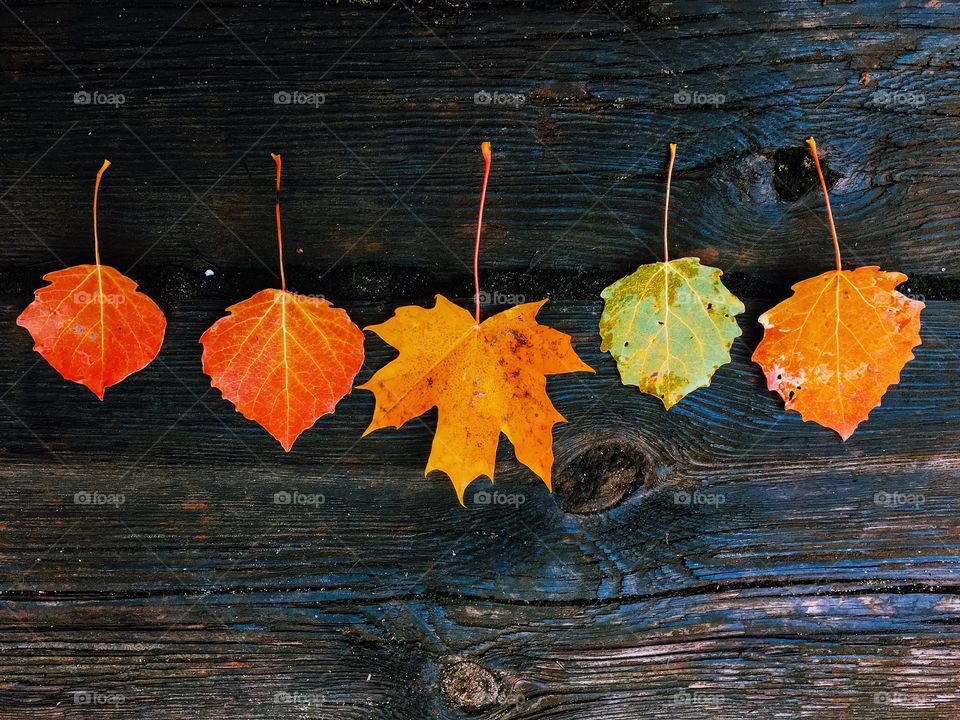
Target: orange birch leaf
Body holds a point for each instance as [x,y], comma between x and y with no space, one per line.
[833,348]
[91,324]
[484,378]
[283,359]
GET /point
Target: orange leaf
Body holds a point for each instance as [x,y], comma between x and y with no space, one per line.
[484,379]
[283,359]
[91,324]
[833,348]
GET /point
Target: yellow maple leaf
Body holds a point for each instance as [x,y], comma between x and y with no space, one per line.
[483,378]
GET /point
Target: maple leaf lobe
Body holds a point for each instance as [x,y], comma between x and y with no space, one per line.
[833,348]
[93,325]
[283,359]
[483,379]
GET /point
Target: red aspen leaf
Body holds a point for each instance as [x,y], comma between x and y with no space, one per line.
[484,378]
[91,324]
[833,348]
[283,359]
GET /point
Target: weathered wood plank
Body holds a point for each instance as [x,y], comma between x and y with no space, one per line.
[800,578]
[740,563]
[744,653]
[707,425]
[385,168]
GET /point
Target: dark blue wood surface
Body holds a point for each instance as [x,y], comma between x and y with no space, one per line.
[723,559]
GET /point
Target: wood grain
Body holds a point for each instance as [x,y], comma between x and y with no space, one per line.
[723,558]
[384,169]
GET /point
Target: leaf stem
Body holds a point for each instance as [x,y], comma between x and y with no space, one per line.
[283,279]
[96,194]
[826,196]
[666,204]
[485,149]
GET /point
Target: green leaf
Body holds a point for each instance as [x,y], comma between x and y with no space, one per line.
[669,326]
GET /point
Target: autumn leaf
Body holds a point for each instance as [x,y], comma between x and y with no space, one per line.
[91,324]
[833,348]
[281,358]
[484,378]
[670,324]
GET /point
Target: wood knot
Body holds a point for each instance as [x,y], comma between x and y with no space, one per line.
[794,174]
[469,686]
[600,477]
